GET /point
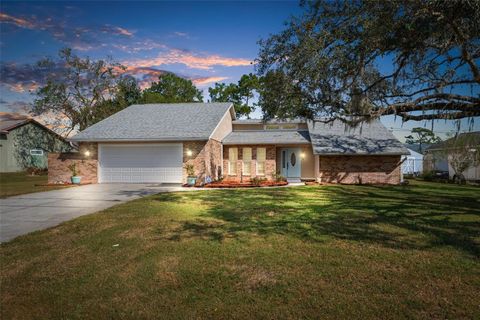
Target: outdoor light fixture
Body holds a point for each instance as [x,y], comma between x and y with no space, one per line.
[302,155]
[87,153]
[189,153]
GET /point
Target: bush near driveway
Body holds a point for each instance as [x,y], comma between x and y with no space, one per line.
[305,252]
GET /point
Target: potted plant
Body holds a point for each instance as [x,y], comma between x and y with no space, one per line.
[191,178]
[75,177]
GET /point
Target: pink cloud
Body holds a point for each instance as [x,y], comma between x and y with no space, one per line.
[191,60]
[207,80]
[21,87]
[19,22]
[124,32]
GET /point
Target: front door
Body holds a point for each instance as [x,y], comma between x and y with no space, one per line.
[291,163]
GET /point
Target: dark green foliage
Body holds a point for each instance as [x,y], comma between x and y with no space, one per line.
[240,94]
[328,59]
[171,89]
[422,136]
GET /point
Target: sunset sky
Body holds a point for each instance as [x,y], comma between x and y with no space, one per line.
[206,42]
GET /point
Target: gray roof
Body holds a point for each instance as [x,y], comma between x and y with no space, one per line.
[337,138]
[271,121]
[158,122]
[268,137]
[469,138]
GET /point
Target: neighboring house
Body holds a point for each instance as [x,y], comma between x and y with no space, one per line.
[413,163]
[438,157]
[25,143]
[152,143]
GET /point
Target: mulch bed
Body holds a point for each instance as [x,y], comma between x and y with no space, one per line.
[59,185]
[233,184]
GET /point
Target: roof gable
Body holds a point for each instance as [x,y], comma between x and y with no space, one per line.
[158,122]
[10,125]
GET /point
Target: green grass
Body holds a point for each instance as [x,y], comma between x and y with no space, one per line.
[15,183]
[307,252]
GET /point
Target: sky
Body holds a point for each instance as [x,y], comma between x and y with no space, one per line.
[206,42]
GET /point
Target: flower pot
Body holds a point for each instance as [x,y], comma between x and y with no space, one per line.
[191,181]
[76,179]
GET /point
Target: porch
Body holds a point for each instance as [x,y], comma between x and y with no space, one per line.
[294,162]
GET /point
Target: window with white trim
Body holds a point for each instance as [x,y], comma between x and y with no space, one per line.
[232,161]
[247,161]
[261,158]
[36,152]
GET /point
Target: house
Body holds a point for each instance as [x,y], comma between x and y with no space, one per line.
[25,143]
[154,142]
[441,156]
[413,163]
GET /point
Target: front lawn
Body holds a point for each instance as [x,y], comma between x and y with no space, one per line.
[15,183]
[327,252]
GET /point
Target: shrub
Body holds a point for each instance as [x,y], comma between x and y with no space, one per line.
[190,170]
[256,181]
[277,177]
[73,169]
[427,176]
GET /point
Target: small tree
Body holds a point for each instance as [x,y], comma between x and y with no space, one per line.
[463,152]
[422,136]
[73,169]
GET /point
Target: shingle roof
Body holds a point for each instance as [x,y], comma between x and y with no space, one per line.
[473,138]
[337,138]
[7,125]
[268,137]
[271,121]
[157,122]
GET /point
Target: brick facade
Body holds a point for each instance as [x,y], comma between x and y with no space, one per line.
[58,163]
[360,169]
[270,163]
[206,157]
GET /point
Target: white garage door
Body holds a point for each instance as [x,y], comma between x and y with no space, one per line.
[138,163]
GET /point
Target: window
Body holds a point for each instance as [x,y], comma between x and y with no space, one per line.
[36,152]
[272,127]
[289,126]
[232,161]
[247,161]
[261,157]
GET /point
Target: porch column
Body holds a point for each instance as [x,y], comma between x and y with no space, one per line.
[317,168]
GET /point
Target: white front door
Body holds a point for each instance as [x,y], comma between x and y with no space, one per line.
[291,166]
[140,163]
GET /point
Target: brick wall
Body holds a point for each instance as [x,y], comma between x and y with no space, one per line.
[360,169]
[58,163]
[206,158]
[270,162]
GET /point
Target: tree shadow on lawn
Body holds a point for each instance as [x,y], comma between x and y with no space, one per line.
[396,217]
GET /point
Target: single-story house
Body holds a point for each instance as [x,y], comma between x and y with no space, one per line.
[152,143]
[412,163]
[25,143]
[439,156]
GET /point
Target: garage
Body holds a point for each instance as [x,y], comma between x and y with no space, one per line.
[140,163]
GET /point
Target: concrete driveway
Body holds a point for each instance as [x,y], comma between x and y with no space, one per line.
[36,211]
